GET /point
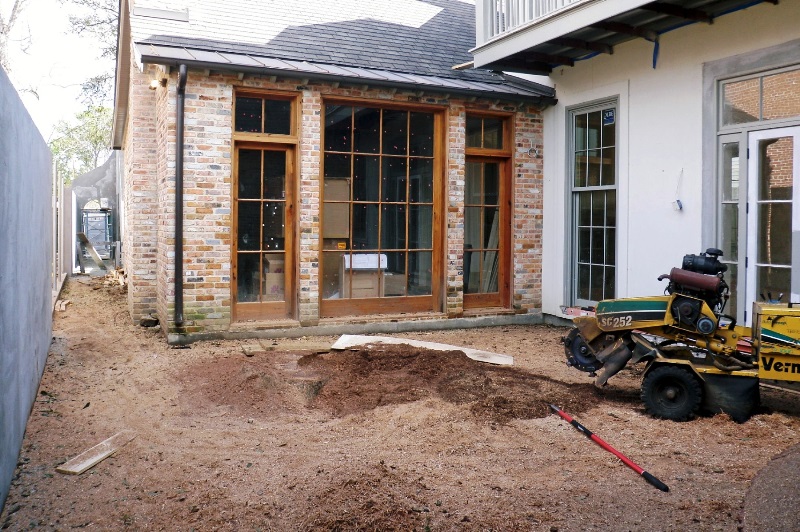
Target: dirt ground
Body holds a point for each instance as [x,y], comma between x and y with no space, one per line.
[297,437]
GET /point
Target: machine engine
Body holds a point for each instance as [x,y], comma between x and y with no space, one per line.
[700,279]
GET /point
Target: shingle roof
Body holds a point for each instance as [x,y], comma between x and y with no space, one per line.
[392,42]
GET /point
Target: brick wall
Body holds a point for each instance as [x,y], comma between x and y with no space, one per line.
[141,205]
[150,161]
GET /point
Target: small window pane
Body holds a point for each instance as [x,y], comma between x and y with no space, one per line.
[584,244]
[611,208]
[608,166]
[594,123]
[248,115]
[338,127]
[272,286]
[279,117]
[395,280]
[598,252]
[581,169]
[365,226]
[474,132]
[491,230]
[273,225]
[421,181]
[772,280]
[581,126]
[489,272]
[608,284]
[472,184]
[493,133]
[337,165]
[395,132]
[775,223]
[740,102]
[420,227]
[331,275]
[609,132]
[420,265]
[249,225]
[730,231]
[491,183]
[593,169]
[393,186]
[583,281]
[421,134]
[249,174]
[274,174]
[393,226]
[598,208]
[248,281]
[367,133]
[596,283]
[782,95]
[611,245]
[472,227]
[366,178]
[730,172]
[776,174]
[584,209]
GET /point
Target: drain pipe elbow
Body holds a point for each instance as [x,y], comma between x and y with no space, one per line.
[182,72]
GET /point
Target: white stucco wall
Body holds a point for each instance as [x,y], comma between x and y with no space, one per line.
[660,122]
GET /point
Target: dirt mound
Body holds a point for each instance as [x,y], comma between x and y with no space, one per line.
[358,380]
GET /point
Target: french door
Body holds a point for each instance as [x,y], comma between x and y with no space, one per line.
[263,258]
[773,224]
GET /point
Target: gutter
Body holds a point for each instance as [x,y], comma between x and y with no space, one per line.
[182,72]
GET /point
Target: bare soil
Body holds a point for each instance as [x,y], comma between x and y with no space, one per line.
[298,437]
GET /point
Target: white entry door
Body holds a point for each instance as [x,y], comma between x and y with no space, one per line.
[773,188]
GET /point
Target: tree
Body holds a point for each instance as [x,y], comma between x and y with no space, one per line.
[99,20]
[83,144]
[6,26]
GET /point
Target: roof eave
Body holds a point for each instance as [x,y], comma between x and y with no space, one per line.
[294,74]
[122,78]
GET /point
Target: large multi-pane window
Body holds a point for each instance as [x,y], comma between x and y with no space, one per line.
[378,231]
[594,203]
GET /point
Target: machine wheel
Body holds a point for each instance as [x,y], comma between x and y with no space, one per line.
[672,392]
[579,355]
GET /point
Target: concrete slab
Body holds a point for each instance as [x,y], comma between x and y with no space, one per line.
[349,340]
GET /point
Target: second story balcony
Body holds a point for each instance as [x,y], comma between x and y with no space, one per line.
[535,36]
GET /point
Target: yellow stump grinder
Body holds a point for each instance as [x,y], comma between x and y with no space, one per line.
[696,357]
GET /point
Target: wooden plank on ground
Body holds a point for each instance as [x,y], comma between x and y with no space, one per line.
[92,253]
[353,340]
[95,455]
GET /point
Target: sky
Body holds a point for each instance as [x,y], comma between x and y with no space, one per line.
[54,65]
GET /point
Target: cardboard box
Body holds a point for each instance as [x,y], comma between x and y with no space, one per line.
[394,284]
[273,265]
[273,287]
[365,283]
[336,216]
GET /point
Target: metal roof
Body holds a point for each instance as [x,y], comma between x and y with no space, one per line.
[647,21]
[501,87]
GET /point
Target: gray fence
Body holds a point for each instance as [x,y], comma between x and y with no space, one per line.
[29,277]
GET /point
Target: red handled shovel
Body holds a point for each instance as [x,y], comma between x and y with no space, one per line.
[599,441]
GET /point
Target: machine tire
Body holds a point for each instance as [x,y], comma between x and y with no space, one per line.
[672,392]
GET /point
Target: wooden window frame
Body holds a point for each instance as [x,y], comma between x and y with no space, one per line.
[332,308]
[504,156]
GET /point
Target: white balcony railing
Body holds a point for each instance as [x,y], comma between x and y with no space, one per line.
[498,17]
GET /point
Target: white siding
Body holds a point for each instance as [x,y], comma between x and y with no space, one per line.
[660,120]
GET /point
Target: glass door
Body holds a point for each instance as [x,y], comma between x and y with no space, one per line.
[263,258]
[772,222]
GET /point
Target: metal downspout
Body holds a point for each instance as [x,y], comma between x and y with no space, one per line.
[179,196]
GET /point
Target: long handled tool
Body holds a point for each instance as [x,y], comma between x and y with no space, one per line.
[599,441]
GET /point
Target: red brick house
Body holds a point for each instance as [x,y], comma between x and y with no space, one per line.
[324,169]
